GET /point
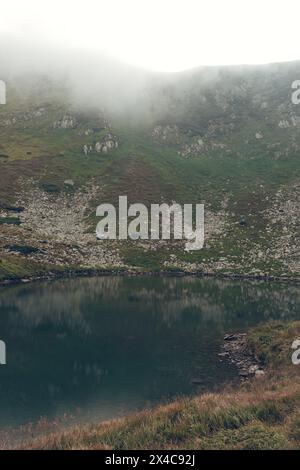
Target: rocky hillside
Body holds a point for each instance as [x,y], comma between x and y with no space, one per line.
[225,137]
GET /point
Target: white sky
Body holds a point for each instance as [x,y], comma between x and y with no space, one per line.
[165,35]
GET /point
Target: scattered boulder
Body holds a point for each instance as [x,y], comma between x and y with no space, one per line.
[284,124]
[108,143]
[193,149]
[259,136]
[66,122]
[69,183]
[259,373]
[86,132]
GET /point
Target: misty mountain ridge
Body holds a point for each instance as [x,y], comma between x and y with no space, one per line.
[76,133]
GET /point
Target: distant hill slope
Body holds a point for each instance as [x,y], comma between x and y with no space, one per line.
[228,137]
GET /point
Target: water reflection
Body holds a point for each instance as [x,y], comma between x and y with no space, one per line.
[109,345]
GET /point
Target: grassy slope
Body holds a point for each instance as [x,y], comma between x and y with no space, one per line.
[248,175]
[262,414]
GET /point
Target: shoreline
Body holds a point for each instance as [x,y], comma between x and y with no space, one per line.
[263,403]
[232,354]
[258,414]
[236,352]
[94,272]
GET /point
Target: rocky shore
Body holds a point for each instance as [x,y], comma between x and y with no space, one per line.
[235,350]
[117,271]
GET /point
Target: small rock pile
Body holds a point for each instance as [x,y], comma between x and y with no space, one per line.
[66,122]
[109,142]
[235,350]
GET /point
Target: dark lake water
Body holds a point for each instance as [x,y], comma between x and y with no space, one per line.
[99,348]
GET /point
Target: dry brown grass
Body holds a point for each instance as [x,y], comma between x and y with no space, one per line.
[272,405]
